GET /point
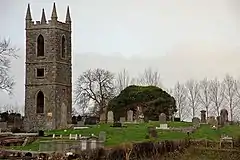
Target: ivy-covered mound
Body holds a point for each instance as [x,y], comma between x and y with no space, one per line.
[153,101]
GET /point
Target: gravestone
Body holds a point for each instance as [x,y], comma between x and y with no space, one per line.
[162,118]
[130,116]
[110,117]
[218,120]
[212,121]
[203,116]
[122,119]
[102,118]
[80,124]
[152,132]
[63,116]
[3,125]
[223,117]
[102,136]
[196,122]
[17,122]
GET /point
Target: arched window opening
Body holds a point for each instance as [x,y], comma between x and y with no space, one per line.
[40,102]
[63,47]
[40,46]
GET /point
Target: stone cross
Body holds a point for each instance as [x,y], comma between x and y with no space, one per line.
[162,118]
[110,118]
[130,116]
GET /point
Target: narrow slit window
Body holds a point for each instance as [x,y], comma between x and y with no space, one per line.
[63,47]
[40,72]
[40,46]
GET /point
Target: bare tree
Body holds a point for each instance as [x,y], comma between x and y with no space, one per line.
[150,77]
[230,93]
[217,90]
[204,94]
[82,103]
[180,96]
[122,80]
[6,53]
[192,88]
[97,85]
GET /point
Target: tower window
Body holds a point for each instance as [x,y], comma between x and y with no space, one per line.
[40,102]
[63,47]
[40,72]
[40,46]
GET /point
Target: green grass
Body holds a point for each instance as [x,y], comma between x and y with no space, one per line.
[137,133]
[206,132]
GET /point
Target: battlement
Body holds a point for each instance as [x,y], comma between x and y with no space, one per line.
[43,23]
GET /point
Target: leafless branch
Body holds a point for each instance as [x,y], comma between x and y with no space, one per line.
[150,77]
[6,53]
[192,95]
[180,95]
[97,85]
[217,90]
[204,94]
[230,93]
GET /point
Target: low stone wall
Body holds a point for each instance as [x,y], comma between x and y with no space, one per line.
[69,145]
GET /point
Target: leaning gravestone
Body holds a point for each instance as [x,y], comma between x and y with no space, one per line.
[196,122]
[110,117]
[130,116]
[162,118]
[102,136]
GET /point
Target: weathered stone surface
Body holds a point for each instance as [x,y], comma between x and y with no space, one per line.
[162,118]
[56,84]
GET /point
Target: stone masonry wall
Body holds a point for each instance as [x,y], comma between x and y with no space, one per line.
[57,81]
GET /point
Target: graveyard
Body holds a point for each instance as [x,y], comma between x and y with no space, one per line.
[134,133]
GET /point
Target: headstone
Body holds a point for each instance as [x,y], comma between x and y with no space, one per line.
[218,120]
[196,122]
[102,118]
[162,118]
[203,116]
[223,117]
[102,136]
[122,119]
[84,144]
[93,144]
[63,115]
[17,122]
[3,125]
[152,132]
[212,121]
[80,124]
[73,136]
[130,116]
[110,117]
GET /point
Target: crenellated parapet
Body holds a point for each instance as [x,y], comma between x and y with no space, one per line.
[44,24]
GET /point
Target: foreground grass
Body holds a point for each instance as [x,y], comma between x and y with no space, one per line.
[138,132]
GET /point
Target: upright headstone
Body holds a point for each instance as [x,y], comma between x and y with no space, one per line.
[203,116]
[130,116]
[223,116]
[162,118]
[110,117]
[102,136]
[196,122]
[218,120]
[212,121]
[122,119]
[102,118]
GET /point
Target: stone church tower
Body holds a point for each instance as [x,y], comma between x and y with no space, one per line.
[48,83]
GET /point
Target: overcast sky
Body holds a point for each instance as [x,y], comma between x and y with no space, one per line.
[183,39]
